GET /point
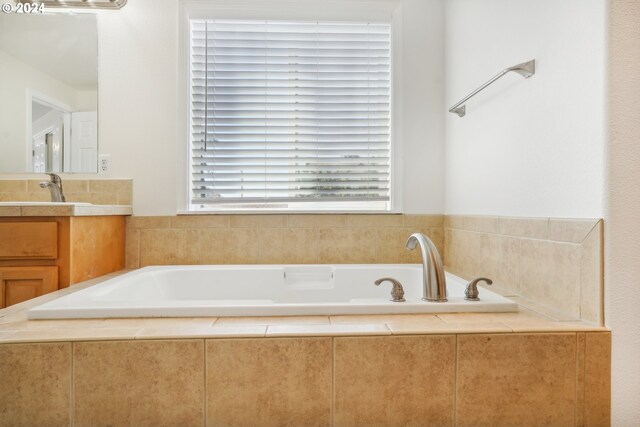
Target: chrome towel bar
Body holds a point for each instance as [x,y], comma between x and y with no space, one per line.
[526,70]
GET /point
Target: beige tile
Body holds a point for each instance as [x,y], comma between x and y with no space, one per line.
[543,310]
[139,383]
[420,328]
[132,248]
[592,277]
[518,316]
[597,368]
[557,326]
[246,330]
[197,331]
[391,245]
[501,262]
[424,221]
[5,335]
[550,276]
[110,186]
[161,322]
[534,228]
[320,220]
[149,222]
[33,185]
[83,334]
[76,185]
[448,259]
[200,221]
[29,325]
[394,381]
[35,384]
[10,211]
[467,252]
[258,221]
[454,221]
[437,237]
[269,382]
[514,379]
[124,196]
[42,196]
[326,330]
[347,246]
[273,320]
[570,230]
[13,185]
[228,246]
[383,318]
[288,246]
[483,224]
[374,220]
[96,198]
[168,247]
[78,197]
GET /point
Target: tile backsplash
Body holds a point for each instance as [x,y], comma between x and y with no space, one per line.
[97,192]
[277,239]
[554,266]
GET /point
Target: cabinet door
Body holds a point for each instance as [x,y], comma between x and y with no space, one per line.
[19,284]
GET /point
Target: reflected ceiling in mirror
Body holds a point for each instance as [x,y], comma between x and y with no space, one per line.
[49,87]
[77,4]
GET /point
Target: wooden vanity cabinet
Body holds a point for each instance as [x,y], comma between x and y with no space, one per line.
[39,255]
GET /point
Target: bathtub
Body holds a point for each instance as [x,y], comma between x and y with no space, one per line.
[262,290]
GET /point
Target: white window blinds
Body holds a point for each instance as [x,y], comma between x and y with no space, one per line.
[290,112]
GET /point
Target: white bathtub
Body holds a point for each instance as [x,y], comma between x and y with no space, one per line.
[262,290]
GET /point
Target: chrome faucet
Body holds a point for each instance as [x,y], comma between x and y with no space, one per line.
[55,188]
[433,278]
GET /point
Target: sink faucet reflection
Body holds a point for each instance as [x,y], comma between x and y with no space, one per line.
[55,188]
[433,278]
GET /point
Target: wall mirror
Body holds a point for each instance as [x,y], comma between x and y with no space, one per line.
[48,93]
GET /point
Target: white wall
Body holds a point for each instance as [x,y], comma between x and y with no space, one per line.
[622,213]
[526,147]
[139,103]
[17,77]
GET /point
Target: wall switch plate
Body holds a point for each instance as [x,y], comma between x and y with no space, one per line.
[104,163]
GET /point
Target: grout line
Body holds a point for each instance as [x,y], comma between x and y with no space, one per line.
[577,409]
[204,392]
[455,383]
[72,397]
[333,381]
[584,378]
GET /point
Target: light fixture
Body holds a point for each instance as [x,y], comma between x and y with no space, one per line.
[79,4]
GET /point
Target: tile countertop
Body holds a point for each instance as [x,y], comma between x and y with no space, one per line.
[19,209]
[16,328]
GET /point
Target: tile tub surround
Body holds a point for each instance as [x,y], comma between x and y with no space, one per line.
[302,370]
[554,266]
[411,380]
[548,264]
[94,191]
[277,239]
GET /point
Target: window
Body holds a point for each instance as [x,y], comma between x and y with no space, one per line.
[290,115]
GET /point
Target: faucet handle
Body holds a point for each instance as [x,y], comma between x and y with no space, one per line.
[397,292]
[471,292]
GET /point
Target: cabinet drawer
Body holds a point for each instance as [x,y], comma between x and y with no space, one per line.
[26,240]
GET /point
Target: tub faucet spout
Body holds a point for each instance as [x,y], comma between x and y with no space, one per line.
[433,278]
